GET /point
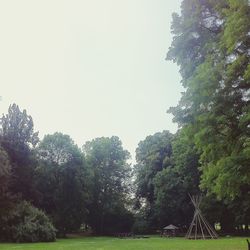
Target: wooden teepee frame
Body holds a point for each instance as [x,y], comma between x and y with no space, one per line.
[200,228]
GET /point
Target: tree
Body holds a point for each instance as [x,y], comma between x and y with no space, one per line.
[173,184]
[152,155]
[6,200]
[108,212]
[17,132]
[211,46]
[62,180]
[17,137]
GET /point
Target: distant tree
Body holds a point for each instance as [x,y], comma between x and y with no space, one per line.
[17,137]
[110,173]
[62,180]
[17,132]
[173,184]
[152,155]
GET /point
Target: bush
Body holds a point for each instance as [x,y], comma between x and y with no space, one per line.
[25,223]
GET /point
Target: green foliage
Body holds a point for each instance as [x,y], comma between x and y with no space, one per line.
[55,177]
[6,199]
[186,161]
[211,45]
[26,223]
[62,181]
[59,149]
[110,175]
[17,134]
[152,155]
[17,137]
[173,184]
[167,171]
[5,170]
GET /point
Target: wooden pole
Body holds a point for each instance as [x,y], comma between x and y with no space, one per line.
[199,222]
[203,236]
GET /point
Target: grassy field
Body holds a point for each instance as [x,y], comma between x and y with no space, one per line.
[152,243]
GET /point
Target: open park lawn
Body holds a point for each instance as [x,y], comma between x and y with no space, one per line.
[152,243]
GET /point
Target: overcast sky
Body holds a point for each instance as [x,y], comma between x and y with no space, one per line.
[90,68]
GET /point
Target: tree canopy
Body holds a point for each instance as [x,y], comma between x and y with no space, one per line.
[62,182]
[211,46]
[110,174]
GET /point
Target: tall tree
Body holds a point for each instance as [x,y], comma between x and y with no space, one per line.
[62,180]
[173,184]
[211,46]
[110,178]
[17,137]
[152,155]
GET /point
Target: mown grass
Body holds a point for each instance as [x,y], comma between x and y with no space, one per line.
[152,243]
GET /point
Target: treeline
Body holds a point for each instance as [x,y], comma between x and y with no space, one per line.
[168,170]
[211,46]
[210,154]
[51,187]
[72,188]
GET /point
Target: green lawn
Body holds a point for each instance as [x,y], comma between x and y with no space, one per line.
[152,243]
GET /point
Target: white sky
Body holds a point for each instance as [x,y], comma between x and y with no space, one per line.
[90,68]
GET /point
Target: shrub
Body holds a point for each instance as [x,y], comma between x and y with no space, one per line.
[26,223]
